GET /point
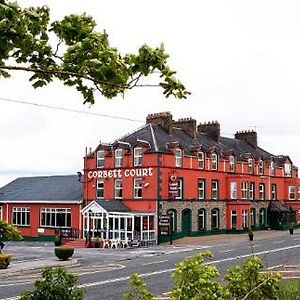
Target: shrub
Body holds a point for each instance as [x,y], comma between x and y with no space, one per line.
[290,290]
[63,253]
[5,259]
[56,283]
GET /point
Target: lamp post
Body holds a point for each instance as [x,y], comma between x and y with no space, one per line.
[170,227]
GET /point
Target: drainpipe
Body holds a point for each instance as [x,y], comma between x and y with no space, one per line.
[158,189]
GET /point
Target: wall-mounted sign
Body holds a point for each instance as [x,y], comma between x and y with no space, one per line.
[119,173]
[41,230]
[173,187]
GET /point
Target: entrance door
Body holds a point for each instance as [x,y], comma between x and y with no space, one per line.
[186,222]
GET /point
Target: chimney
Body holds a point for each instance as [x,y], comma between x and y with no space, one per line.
[249,136]
[164,119]
[189,125]
[212,129]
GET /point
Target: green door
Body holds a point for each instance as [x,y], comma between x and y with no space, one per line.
[186,222]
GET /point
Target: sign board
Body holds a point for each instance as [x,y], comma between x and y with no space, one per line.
[173,187]
[164,220]
[120,173]
[41,230]
[163,230]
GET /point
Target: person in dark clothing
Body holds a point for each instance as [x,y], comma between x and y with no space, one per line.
[1,242]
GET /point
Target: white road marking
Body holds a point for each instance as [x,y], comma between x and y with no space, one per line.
[226,251]
[297,239]
[155,262]
[278,242]
[173,269]
[257,245]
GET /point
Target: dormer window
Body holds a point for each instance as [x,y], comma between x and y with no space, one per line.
[250,166]
[231,163]
[138,157]
[201,160]
[100,159]
[287,170]
[260,167]
[272,168]
[178,157]
[118,158]
[214,161]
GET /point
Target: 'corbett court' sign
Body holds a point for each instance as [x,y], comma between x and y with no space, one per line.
[119,173]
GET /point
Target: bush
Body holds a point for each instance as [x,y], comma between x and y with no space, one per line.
[63,253]
[290,290]
[5,260]
[56,283]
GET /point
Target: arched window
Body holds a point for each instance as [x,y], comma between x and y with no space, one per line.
[253,217]
[201,160]
[262,217]
[173,219]
[214,161]
[260,167]
[202,219]
[215,219]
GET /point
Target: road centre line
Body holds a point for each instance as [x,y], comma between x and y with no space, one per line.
[226,251]
[173,269]
[155,262]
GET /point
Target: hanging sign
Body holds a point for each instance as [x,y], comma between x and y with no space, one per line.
[173,187]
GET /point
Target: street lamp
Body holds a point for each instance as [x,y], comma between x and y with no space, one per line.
[170,213]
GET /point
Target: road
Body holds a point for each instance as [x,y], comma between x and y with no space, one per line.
[104,273]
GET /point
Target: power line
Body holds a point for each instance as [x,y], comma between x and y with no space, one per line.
[70,110]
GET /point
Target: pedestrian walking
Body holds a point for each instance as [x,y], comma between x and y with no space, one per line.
[1,242]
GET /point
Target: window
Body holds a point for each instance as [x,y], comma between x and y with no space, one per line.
[233,219]
[214,161]
[201,189]
[233,190]
[202,219]
[21,216]
[245,218]
[244,190]
[201,160]
[298,193]
[253,217]
[178,157]
[180,188]
[262,217]
[287,170]
[100,190]
[118,158]
[273,192]
[250,166]
[138,188]
[261,191]
[215,219]
[138,157]
[292,192]
[118,188]
[272,168]
[0,212]
[231,163]
[100,159]
[260,167]
[214,189]
[251,191]
[56,217]
[173,219]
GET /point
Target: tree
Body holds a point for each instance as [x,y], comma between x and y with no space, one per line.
[81,57]
[56,284]
[9,232]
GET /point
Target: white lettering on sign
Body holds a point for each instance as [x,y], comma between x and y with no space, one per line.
[119,173]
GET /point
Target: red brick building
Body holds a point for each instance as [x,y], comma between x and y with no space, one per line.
[205,182]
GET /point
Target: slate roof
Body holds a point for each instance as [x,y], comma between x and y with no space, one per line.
[44,188]
[158,137]
[113,205]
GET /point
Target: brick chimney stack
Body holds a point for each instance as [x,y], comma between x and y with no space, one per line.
[189,125]
[164,119]
[212,129]
[249,136]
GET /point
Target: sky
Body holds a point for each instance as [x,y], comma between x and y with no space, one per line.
[239,59]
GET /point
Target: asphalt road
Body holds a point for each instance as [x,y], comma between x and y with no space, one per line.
[104,273]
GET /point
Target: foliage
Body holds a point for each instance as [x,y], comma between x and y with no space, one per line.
[9,232]
[194,280]
[81,57]
[246,282]
[290,290]
[139,289]
[63,253]
[55,284]
[5,260]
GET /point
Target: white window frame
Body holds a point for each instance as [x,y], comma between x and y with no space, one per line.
[201,160]
[250,165]
[244,190]
[118,188]
[214,189]
[118,158]
[23,213]
[251,190]
[262,191]
[215,213]
[287,170]
[100,159]
[201,189]
[178,158]
[138,188]
[245,218]
[137,157]
[233,213]
[231,163]
[51,217]
[214,161]
[180,188]
[272,168]
[233,190]
[260,167]
[252,216]
[273,191]
[100,188]
[292,192]
[202,218]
